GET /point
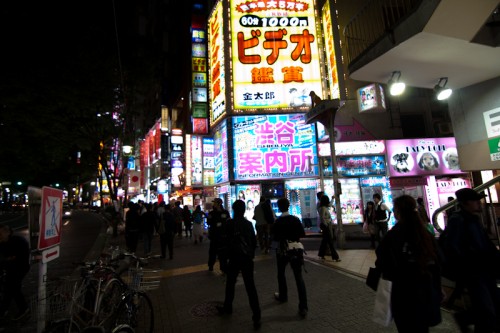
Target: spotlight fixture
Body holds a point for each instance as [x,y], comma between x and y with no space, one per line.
[395,86]
[441,92]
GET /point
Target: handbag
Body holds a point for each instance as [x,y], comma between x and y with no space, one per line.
[373,278]
[382,313]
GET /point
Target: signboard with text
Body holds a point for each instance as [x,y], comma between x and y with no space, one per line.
[217,74]
[429,156]
[274,146]
[50,218]
[275,54]
[221,154]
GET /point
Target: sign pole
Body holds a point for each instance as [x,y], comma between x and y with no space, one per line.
[42,296]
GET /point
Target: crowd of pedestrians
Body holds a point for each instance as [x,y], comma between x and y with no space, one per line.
[408,254]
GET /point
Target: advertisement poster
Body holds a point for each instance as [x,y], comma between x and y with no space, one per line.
[221,154]
[430,156]
[274,146]
[250,194]
[196,160]
[216,64]
[275,56]
[355,166]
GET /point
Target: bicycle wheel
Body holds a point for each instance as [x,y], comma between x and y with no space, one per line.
[62,326]
[109,300]
[136,310]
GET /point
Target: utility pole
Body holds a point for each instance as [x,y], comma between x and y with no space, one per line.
[324,112]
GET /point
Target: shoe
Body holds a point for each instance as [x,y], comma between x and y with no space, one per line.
[221,310]
[211,268]
[257,324]
[303,313]
[21,315]
[337,260]
[277,297]
[322,258]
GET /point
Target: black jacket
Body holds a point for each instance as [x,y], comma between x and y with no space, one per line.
[238,239]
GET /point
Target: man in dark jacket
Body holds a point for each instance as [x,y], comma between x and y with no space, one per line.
[166,229]
[476,259]
[286,229]
[238,238]
[216,221]
[15,259]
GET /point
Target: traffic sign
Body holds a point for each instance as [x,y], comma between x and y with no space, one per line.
[50,254]
[50,218]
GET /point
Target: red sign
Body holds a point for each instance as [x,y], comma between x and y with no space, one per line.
[50,218]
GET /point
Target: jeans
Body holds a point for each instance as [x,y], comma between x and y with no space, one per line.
[327,240]
[167,240]
[296,263]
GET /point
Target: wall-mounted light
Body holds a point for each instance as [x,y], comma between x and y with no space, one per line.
[396,87]
[441,91]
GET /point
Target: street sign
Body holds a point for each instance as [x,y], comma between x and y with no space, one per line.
[50,218]
[50,254]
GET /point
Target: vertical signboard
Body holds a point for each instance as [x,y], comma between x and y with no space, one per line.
[275,56]
[221,154]
[208,161]
[331,59]
[50,218]
[196,160]
[216,74]
[274,146]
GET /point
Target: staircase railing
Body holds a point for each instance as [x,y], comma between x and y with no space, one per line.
[486,186]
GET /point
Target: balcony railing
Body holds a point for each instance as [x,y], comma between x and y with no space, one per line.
[375,20]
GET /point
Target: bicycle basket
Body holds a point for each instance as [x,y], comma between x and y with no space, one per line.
[57,301]
[143,279]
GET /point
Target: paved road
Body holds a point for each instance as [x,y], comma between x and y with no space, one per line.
[185,302]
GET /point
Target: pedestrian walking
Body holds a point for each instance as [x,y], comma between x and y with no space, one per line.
[264,219]
[288,230]
[15,260]
[148,221]
[327,232]
[408,256]
[216,220]
[239,241]
[369,220]
[382,217]
[177,211]
[166,229]
[476,261]
[132,227]
[198,219]
[187,218]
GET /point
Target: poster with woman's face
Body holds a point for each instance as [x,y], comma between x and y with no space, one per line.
[250,194]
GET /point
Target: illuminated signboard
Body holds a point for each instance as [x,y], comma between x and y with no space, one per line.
[275,56]
[221,154]
[371,98]
[431,156]
[198,36]
[330,51]
[199,50]
[216,61]
[200,126]
[199,64]
[199,79]
[196,160]
[273,146]
[199,110]
[372,147]
[360,166]
[208,153]
[199,94]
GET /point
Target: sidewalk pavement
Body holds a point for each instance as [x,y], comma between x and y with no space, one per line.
[338,299]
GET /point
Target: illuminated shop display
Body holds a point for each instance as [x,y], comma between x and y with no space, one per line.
[373,147]
[355,166]
[194,160]
[221,154]
[275,58]
[371,98]
[380,185]
[216,64]
[330,51]
[250,194]
[273,146]
[430,156]
[302,196]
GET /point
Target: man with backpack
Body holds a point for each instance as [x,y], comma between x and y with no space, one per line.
[474,260]
[239,241]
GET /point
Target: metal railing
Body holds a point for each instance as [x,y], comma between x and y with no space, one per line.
[491,212]
[376,19]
